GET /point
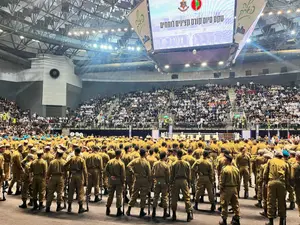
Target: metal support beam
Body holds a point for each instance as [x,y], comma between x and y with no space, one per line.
[6,56]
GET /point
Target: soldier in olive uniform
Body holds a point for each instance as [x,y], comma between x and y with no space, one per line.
[27,183]
[2,175]
[161,175]
[296,179]
[289,188]
[94,166]
[38,168]
[229,183]
[56,175]
[243,162]
[17,170]
[180,181]
[77,168]
[204,173]
[115,171]
[140,167]
[276,176]
[7,163]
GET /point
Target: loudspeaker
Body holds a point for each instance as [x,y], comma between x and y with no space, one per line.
[217,75]
[231,74]
[265,71]
[174,76]
[283,69]
[248,72]
[54,73]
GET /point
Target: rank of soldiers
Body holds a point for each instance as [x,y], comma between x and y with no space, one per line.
[131,168]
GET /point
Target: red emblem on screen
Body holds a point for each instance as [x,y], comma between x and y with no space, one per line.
[196,4]
[183,7]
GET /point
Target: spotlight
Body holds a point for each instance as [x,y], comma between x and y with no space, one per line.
[248,40]
[1,30]
[138,49]
[167,66]
[298,10]
[94,32]
[279,13]
[70,34]
[116,48]
[270,13]
[87,32]
[101,46]
[289,11]
[203,64]
[293,32]
[221,63]
[125,29]
[99,31]
[81,32]
[110,47]
[112,30]
[132,28]
[104,46]
[106,31]
[75,33]
[119,29]
[95,45]
[21,37]
[262,14]
[187,65]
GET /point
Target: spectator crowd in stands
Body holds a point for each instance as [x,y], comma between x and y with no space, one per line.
[206,106]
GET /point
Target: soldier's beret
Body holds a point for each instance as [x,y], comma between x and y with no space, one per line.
[60,151]
[285,153]
[278,154]
[292,152]
[261,151]
[30,156]
[268,155]
[40,152]
[227,156]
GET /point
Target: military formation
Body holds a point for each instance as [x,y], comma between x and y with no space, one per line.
[158,172]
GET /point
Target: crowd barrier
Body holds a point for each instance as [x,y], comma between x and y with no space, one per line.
[144,132]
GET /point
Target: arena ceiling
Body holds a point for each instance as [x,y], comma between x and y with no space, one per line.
[93,32]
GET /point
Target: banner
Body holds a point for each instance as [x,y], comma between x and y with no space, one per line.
[139,20]
[247,13]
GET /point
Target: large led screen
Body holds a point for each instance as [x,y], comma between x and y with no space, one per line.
[191,23]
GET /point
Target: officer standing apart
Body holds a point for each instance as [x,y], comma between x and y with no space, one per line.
[161,175]
[38,168]
[56,174]
[229,183]
[180,181]
[276,176]
[115,171]
[140,167]
[78,173]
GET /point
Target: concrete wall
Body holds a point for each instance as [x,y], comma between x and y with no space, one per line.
[29,96]
[73,96]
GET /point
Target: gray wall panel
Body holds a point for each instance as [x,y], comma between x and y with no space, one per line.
[29,96]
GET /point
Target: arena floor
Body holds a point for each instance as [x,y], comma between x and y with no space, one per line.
[11,214]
